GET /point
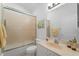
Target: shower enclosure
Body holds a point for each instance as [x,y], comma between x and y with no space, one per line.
[20,27]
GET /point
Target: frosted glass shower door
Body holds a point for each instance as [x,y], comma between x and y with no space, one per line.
[21,28]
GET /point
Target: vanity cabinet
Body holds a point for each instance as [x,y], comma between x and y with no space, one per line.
[43,51]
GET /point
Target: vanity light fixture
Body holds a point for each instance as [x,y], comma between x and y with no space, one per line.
[52,5]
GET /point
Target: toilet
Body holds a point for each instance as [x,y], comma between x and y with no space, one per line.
[31,50]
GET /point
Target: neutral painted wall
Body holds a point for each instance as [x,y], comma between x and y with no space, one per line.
[0,12]
[0,22]
[65,17]
[41,14]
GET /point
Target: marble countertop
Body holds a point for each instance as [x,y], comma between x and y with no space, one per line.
[60,49]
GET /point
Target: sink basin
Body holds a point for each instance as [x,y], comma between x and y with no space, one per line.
[52,44]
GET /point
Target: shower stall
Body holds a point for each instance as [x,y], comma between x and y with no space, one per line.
[20,28]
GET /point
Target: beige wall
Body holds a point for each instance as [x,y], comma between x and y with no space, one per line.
[0,22]
[0,12]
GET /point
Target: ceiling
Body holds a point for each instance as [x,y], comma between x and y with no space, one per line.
[32,6]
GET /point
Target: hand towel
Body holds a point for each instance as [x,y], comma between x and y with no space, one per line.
[3,36]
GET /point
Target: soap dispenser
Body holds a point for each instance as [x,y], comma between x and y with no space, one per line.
[74,44]
[69,44]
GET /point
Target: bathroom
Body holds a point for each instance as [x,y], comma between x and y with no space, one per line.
[39,29]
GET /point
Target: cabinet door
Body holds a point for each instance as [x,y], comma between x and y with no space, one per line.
[42,51]
[51,53]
